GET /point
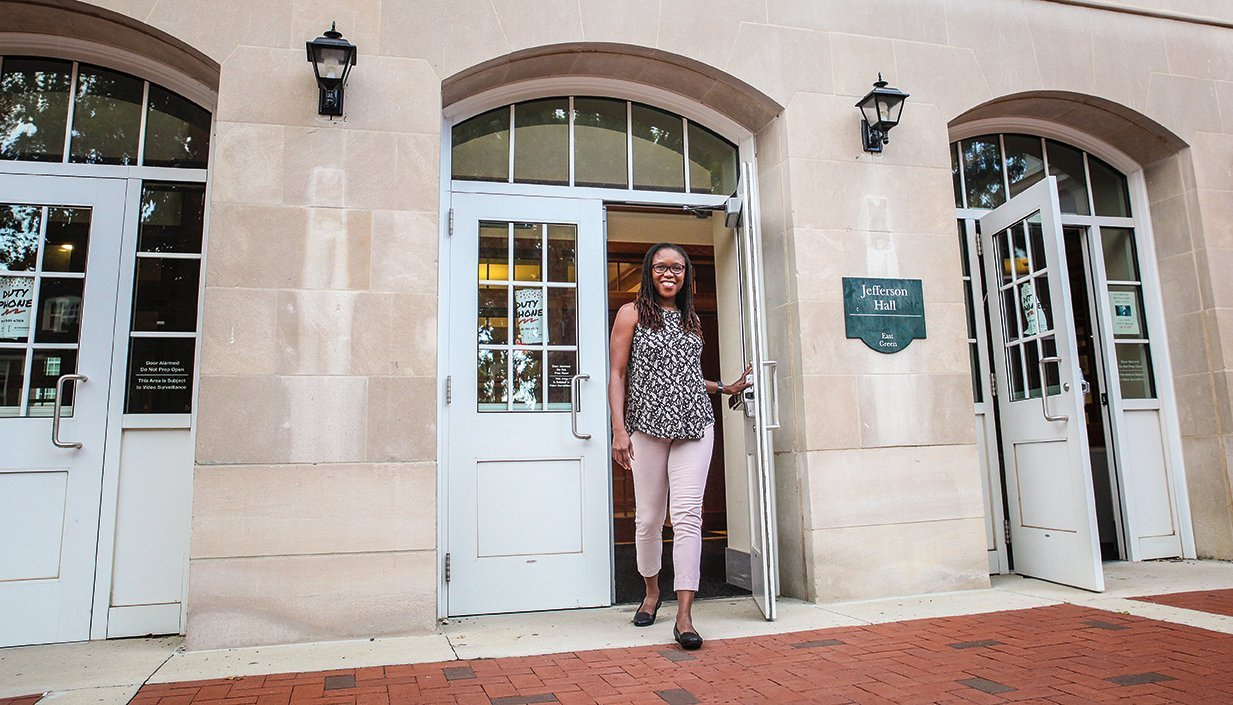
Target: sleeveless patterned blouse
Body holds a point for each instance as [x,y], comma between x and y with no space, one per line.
[666,394]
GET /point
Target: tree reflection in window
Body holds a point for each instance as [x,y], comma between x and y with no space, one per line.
[34,96]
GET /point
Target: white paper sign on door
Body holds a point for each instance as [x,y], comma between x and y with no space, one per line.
[529,305]
[16,303]
[1125,307]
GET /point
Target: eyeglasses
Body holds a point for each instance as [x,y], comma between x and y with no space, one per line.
[662,268]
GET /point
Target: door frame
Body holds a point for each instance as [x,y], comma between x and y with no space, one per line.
[1153,303]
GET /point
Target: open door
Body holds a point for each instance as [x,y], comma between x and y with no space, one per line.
[1040,398]
[761,412]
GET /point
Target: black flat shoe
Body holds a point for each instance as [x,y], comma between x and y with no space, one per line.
[646,619]
[688,640]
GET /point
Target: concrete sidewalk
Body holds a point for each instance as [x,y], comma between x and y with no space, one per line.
[110,673]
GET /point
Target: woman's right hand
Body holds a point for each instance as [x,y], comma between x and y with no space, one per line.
[622,448]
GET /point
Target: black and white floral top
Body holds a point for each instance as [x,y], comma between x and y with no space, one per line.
[666,395]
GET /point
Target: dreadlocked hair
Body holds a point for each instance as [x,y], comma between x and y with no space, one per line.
[649,315]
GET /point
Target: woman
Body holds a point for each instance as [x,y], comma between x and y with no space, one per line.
[663,426]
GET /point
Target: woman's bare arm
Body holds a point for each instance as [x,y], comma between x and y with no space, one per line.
[618,367]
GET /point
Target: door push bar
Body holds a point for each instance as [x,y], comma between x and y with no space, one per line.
[57,409]
[1044,389]
[573,407]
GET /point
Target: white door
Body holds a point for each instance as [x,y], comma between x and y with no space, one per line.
[760,406]
[59,261]
[1040,404]
[529,505]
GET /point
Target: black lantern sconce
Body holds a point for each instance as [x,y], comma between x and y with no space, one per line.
[880,111]
[332,58]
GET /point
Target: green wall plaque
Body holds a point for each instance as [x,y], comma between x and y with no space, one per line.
[888,314]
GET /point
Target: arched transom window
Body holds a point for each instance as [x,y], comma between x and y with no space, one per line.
[595,142]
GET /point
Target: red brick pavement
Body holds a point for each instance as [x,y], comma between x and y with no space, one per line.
[1063,654]
[23,700]
[1213,601]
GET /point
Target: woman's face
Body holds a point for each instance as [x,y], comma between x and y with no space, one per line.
[668,272]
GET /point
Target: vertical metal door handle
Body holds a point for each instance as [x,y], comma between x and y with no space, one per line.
[57,408]
[1044,389]
[573,407]
[773,392]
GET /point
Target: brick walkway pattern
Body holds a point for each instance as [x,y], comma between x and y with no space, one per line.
[1211,601]
[1064,654]
[23,700]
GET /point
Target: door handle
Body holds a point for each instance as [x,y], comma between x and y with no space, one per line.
[1044,389]
[57,411]
[573,407]
[773,392]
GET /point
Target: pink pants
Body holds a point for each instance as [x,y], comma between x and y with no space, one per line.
[664,468]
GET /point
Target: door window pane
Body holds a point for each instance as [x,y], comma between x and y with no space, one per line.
[480,149]
[494,251]
[659,149]
[562,255]
[34,95]
[955,176]
[67,240]
[982,172]
[528,392]
[528,252]
[59,310]
[1025,162]
[541,141]
[1066,163]
[492,391]
[106,117]
[712,162]
[16,308]
[1014,363]
[165,294]
[172,217]
[19,237]
[1110,194]
[1126,310]
[12,378]
[562,316]
[160,376]
[48,366]
[529,312]
[493,315]
[1134,371]
[600,146]
[1121,263]
[177,131]
[562,366]
[1037,306]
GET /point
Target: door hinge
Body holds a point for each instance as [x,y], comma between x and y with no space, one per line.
[447,567]
[449,389]
[1005,529]
[450,224]
[993,384]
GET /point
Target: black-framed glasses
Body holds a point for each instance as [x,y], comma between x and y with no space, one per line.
[662,268]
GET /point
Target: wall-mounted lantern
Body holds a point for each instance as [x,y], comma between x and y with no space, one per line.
[332,58]
[880,111]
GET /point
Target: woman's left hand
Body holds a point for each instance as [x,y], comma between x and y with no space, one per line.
[741,384]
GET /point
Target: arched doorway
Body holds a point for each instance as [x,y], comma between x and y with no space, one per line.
[102,211]
[1074,402]
[537,188]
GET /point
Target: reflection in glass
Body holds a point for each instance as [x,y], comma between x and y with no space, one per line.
[600,147]
[1120,261]
[106,117]
[528,252]
[165,294]
[1010,311]
[1134,371]
[528,392]
[481,147]
[1025,162]
[177,131]
[562,316]
[963,250]
[493,314]
[1053,382]
[1035,299]
[974,361]
[561,253]
[982,172]
[19,237]
[1014,361]
[494,251]
[16,308]
[562,366]
[160,376]
[712,162]
[172,217]
[12,376]
[659,149]
[34,96]
[1031,365]
[1110,193]
[541,141]
[47,367]
[59,311]
[1036,237]
[491,388]
[1126,311]
[1010,260]
[954,173]
[1066,163]
[529,315]
[66,240]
